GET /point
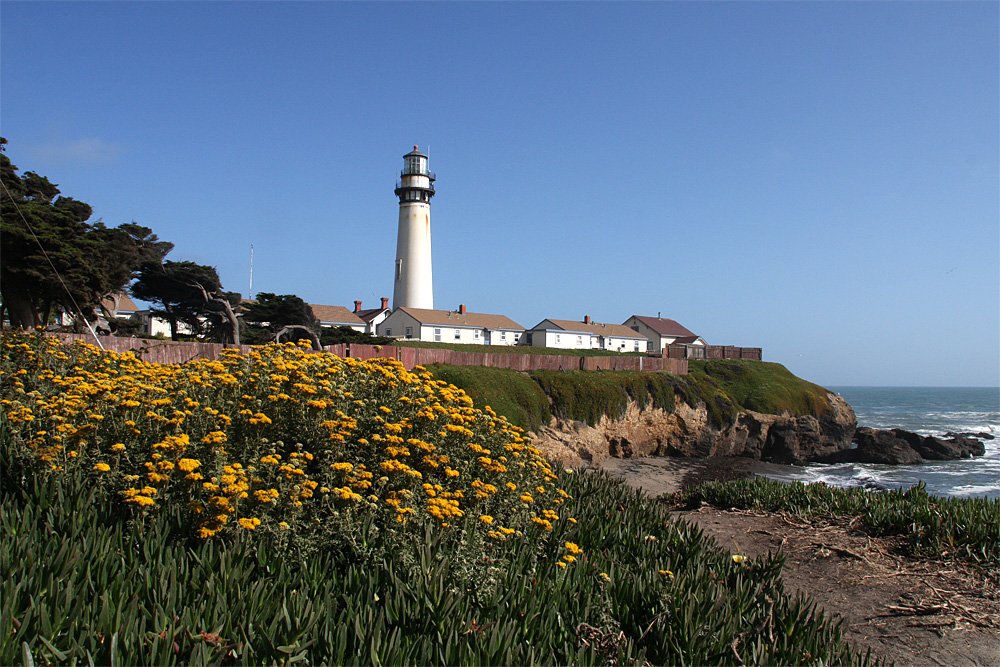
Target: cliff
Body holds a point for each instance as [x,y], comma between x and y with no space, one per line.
[689,431]
[721,408]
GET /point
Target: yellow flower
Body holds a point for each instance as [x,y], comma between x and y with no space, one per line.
[573,548]
[118,447]
[188,465]
[487,519]
[249,524]
[214,438]
[103,467]
[739,558]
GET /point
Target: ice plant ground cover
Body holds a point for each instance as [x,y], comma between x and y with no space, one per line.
[943,528]
[287,506]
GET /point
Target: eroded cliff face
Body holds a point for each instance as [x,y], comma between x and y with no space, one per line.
[686,431]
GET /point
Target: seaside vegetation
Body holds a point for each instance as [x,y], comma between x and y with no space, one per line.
[762,386]
[724,386]
[929,526]
[284,506]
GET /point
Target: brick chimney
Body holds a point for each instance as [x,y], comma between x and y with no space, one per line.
[385,302]
[586,319]
[357,306]
[461,309]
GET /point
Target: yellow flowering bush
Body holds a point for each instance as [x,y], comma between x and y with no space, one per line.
[277,437]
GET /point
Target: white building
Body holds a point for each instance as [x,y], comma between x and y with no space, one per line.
[373,317]
[413,285]
[585,335]
[119,305]
[451,326]
[662,332]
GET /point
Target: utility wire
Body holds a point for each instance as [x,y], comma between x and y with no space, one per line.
[54,270]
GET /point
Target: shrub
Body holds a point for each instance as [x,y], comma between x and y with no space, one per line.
[279,440]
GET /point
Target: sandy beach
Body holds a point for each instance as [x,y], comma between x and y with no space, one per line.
[664,475]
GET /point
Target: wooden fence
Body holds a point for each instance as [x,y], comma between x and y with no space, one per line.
[169,352]
[714,352]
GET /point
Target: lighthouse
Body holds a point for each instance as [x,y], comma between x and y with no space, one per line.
[413,286]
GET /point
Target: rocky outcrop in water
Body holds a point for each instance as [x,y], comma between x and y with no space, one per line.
[896,446]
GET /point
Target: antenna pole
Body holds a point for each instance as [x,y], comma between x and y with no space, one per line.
[250,294]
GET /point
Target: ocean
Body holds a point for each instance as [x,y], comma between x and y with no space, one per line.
[923,410]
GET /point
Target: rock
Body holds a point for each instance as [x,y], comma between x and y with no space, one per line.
[982,435]
[875,446]
[686,432]
[936,449]
[798,440]
[896,446]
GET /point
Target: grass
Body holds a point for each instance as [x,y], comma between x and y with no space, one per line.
[723,387]
[587,396]
[966,528]
[762,386]
[81,583]
[511,394]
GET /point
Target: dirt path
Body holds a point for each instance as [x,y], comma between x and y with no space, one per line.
[918,613]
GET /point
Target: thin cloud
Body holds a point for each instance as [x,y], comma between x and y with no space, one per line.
[90,150]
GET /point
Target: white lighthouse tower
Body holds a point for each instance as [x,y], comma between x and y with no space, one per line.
[413,286]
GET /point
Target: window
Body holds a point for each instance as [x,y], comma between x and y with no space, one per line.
[458,334]
[399,268]
[557,338]
[475,334]
[579,340]
[503,335]
[437,335]
[388,332]
[409,332]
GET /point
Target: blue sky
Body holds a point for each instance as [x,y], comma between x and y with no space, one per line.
[817,179]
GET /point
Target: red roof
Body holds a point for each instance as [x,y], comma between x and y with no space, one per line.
[370,314]
[665,327]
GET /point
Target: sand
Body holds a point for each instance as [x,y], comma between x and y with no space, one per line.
[659,476]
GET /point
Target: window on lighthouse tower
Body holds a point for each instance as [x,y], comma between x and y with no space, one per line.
[415,165]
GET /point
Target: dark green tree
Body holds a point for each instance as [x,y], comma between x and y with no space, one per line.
[271,313]
[54,258]
[189,293]
[345,334]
